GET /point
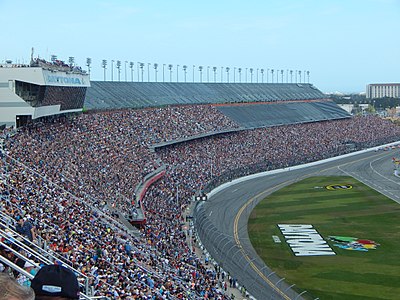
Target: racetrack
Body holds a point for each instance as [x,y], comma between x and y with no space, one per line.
[228,211]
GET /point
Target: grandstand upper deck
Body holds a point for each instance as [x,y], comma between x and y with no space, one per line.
[116,95]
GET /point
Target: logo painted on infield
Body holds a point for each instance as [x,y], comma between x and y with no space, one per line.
[353,243]
[304,240]
[332,187]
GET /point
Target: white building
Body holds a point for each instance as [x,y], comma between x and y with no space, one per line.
[40,89]
[381,90]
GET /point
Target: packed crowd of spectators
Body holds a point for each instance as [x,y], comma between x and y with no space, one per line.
[65,175]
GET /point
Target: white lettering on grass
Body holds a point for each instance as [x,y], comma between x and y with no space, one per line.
[304,240]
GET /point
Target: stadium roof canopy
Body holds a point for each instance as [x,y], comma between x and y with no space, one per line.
[115,95]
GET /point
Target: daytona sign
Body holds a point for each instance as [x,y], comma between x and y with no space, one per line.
[304,240]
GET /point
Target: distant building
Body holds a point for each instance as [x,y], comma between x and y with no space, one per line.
[381,90]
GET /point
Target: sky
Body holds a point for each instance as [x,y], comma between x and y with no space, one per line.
[344,44]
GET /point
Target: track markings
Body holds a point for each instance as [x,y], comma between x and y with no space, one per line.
[278,186]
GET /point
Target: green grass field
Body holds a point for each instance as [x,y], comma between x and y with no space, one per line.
[357,212]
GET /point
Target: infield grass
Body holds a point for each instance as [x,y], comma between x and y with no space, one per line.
[357,212]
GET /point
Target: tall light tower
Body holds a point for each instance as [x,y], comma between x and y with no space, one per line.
[272,75]
[170,66]
[262,75]
[277,76]
[119,69]
[234,74]
[155,66]
[104,66]
[71,61]
[291,76]
[88,63]
[208,74]
[267,75]
[148,72]
[257,76]
[201,73]
[126,77]
[215,74]
[281,76]
[112,70]
[240,74]
[251,75]
[227,74]
[141,65]
[177,73]
[131,66]
[245,77]
[308,76]
[163,77]
[193,73]
[300,75]
[222,74]
[184,71]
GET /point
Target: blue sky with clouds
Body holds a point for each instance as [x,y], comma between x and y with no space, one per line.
[345,44]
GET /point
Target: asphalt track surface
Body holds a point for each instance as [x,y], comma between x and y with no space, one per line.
[229,209]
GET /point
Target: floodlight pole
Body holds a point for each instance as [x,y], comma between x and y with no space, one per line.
[163,77]
[112,70]
[126,79]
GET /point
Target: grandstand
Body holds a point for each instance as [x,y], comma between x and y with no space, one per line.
[287,103]
[116,95]
[152,147]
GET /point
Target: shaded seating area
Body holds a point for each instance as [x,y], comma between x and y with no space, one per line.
[116,95]
[281,113]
